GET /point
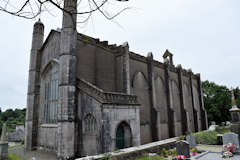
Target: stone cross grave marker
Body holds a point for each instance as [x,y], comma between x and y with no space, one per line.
[182,148]
[213,123]
[4,144]
[222,123]
[191,141]
[231,137]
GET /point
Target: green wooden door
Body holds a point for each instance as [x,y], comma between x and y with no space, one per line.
[120,138]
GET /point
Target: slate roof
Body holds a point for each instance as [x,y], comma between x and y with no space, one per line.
[16,136]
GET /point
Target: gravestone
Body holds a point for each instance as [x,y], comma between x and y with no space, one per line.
[231,137]
[182,148]
[4,144]
[234,128]
[219,139]
[212,127]
[228,123]
[235,117]
[223,124]
[191,141]
[213,123]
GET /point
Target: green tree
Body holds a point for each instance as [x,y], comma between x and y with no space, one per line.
[217,101]
[12,117]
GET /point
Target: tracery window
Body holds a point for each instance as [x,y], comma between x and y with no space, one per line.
[90,124]
[51,95]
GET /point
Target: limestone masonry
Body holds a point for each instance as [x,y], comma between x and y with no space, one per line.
[87,97]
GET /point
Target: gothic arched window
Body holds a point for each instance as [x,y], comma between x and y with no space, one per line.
[90,124]
[50,99]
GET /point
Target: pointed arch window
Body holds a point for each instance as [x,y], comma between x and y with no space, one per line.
[90,124]
[50,100]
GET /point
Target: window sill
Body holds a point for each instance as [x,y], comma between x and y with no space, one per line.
[49,125]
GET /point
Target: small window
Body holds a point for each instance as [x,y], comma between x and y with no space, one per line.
[90,124]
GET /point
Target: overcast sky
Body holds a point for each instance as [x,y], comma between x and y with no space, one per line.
[203,35]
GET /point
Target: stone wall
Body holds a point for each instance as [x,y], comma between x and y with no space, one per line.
[134,152]
[110,110]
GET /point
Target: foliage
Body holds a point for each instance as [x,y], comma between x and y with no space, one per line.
[222,130]
[227,154]
[174,152]
[182,137]
[12,117]
[217,101]
[170,152]
[194,150]
[164,152]
[13,157]
[156,157]
[106,156]
[22,142]
[209,137]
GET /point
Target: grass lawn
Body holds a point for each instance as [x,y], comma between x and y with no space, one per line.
[210,137]
[151,158]
[13,157]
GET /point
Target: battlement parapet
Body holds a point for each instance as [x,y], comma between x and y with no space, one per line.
[158,64]
[95,41]
[138,57]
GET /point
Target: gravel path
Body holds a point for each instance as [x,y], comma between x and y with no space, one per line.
[215,148]
[217,156]
[38,155]
[215,153]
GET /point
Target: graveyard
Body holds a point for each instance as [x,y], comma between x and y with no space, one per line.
[218,142]
[215,143]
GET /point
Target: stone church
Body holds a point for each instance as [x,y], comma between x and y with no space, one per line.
[87,97]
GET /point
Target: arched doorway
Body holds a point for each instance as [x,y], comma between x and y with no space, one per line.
[123,136]
[120,144]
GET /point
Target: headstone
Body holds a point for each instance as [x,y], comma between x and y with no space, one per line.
[213,123]
[219,139]
[231,138]
[235,117]
[222,124]
[4,144]
[182,148]
[191,141]
[234,128]
[4,131]
[187,133]
[212,127]
[228,123]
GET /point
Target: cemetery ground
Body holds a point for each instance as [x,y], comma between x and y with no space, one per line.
[208,140]
[15,154]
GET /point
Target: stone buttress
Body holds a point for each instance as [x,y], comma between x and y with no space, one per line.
[33,87]
[67,83]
